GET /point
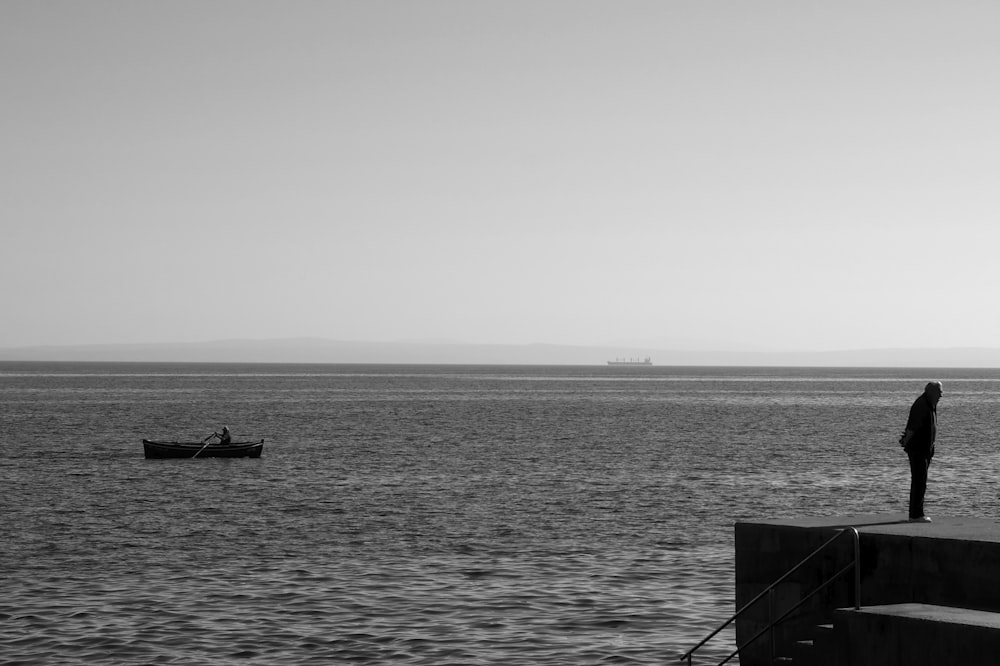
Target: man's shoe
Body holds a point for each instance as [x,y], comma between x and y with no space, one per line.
[921,519]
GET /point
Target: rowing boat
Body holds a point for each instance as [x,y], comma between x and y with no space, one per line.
[190,449]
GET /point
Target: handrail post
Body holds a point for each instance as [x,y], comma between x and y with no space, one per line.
[857,568]
[770,620]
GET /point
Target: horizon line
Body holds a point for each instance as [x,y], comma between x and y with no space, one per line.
[326,351]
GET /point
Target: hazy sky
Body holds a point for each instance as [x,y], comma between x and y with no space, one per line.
[776,175]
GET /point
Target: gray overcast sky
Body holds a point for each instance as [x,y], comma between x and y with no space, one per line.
[746,175]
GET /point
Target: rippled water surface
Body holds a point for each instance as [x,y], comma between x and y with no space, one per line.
[433,514]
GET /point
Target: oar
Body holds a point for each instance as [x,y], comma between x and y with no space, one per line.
[208,440]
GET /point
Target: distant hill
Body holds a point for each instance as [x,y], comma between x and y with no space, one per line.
[313,350]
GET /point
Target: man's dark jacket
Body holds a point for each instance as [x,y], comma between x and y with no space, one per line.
[923,423]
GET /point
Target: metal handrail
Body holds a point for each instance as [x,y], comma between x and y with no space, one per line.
[791,610]
[857,594]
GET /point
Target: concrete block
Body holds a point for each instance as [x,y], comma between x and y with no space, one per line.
[914,634]
[951,562]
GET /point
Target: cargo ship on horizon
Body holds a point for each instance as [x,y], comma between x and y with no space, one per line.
[631,361]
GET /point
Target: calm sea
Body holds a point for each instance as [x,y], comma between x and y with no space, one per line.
[434,514]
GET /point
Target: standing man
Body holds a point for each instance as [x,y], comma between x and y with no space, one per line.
[918,442]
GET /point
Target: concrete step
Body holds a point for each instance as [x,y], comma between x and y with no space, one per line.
[816,651]
[917,635]
[802,653]
[825,646]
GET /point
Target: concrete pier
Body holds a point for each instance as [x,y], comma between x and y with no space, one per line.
[935,585]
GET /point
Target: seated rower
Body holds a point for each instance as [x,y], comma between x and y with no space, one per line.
[225,438]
